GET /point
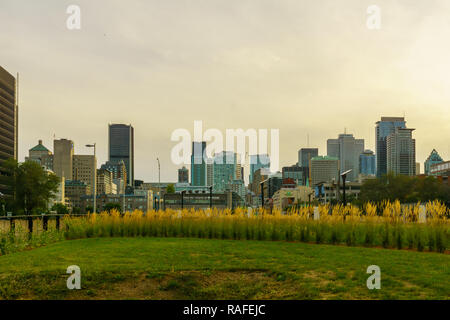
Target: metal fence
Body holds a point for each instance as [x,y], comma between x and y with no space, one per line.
[33,222]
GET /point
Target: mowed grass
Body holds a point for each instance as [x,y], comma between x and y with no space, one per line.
[174,268]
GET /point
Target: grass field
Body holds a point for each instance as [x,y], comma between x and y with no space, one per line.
[173,268]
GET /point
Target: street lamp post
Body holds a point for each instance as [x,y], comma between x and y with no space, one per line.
[210,197]
[182,199]
[344,177]
[159,183]
[95,176]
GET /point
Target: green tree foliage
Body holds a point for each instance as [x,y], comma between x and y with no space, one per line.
[31,185]
[170,188]
[60,208]
[112,206]
[405,189]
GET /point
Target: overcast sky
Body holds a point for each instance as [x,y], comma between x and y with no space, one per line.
[299,66]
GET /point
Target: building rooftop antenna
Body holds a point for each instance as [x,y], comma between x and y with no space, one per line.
[307,140]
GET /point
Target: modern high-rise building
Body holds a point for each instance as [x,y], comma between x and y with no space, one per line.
[225,164]
[209,171]
[304,157]
[383,129]
[84,169]
[121,147]
[63,158]
[324,169]
[433,158]
[9,121]
[347,149]
[198,164]
[401,152]
[183,175]
[118,169]
[105,182]
[294,172]
[367,163]
[258,161]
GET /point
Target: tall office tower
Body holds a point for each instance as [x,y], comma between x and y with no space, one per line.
[258,161]
[225,164]
[9,116]
[105,182]
[324,170]
[118,169]
[433,158]
[347,149]
[183,175]
[198,164]
[121,147]
[209,171]
[383,129]
[304,157]
[367,163]
[84,169]
[294,172]
[63,158]
[239,168]
[401,152]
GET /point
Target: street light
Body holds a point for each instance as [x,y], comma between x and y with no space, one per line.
[95,176]
[159,182]
[182,199]
[210,196]
[344,177]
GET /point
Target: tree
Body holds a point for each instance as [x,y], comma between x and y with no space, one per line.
[405,189]
[112,206]
[60,208]
[31,185]
[170,188]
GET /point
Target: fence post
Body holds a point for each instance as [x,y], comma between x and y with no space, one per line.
[12,225]
[57,222]
[30,225]
[316,213]
[44,222]
[422,214]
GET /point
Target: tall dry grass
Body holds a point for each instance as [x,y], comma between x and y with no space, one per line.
[389,225]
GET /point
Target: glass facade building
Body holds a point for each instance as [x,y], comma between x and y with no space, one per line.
[224,171]
[258,161]
[198,164]
[433,158]
[385,127]
[367,163]
[121,148]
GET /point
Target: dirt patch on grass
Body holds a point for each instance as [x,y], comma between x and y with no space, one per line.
[227,285]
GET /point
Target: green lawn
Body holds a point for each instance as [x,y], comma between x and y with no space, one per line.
[174,268]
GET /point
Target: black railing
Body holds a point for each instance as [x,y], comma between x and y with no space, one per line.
[30,218]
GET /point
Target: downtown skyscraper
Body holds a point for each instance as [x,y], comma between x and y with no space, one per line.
[401,152]
[384,129]
[121,147]
[347,149]
[198,164]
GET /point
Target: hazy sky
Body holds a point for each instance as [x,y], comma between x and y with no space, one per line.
[299,66]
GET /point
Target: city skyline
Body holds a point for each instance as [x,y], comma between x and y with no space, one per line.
[285,79]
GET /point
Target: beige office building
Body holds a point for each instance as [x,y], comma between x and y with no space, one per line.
[324,169]
[84,169]
[105,182]
[62,158]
